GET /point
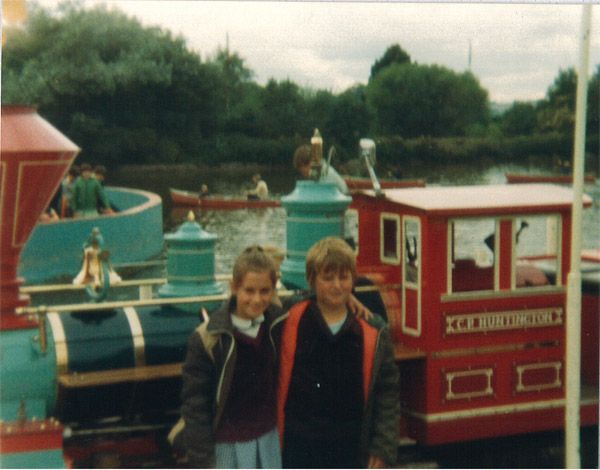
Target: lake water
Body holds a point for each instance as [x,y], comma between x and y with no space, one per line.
[237,229]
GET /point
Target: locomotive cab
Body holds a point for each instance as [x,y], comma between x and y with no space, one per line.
[474,282]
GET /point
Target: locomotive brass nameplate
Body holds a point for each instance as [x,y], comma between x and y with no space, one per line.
[498,321]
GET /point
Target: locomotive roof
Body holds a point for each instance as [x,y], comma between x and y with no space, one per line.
[485,200]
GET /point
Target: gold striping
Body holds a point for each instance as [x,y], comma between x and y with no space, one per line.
[60,343]
[137,335]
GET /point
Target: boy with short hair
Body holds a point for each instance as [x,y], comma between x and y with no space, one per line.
[338,382]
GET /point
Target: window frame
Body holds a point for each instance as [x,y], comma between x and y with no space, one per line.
[393,260]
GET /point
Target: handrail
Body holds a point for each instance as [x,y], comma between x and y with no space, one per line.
[94,307]
[39,289]
[45,288]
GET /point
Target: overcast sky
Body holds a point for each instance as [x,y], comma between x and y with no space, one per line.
[517,49]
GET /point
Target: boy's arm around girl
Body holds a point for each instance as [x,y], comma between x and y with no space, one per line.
[200,380]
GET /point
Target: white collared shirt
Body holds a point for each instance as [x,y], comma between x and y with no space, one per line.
[245,326]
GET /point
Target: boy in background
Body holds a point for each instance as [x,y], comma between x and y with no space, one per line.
[88,194]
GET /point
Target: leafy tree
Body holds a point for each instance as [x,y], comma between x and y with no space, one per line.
[413,100]
[234,76]
[283,110]
[351,117]
[557,111]
[121,91]
[562,91]
[519,119]
[593,111]
[319,110]
[245,114]
[393,55]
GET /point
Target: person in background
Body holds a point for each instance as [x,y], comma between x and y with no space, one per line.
[204,191]
[338,382]
[229,375]
[67,192]
[261,191]
[88,195]
[302,162]
[49,215]
[100,175]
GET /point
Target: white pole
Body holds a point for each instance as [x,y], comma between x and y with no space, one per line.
[573,334]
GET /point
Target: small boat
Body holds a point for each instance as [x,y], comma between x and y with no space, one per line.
[55,249]
[515,178]
[355,183]
[181,197]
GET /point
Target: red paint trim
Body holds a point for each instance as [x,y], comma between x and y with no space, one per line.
[132,446]
[369,344]
[288,351]
[493,426]
[30,436]
[505,254]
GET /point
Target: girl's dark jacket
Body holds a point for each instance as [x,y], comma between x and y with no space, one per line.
[207,373]
[209,366]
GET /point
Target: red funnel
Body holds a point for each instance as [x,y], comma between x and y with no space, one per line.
[34,158]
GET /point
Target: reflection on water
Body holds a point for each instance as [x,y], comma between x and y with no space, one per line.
[237,229]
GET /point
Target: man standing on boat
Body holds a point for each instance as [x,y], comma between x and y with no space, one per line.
[88,195]
[261,191]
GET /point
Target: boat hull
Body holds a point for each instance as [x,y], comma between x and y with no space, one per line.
[517,178]
[55,249]
[366,183]
[189,198]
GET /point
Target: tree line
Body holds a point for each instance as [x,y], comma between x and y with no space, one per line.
[128,94]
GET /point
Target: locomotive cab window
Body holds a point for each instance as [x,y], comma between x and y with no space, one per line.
[390,238]
[537,250]
[472,256]
[412,250]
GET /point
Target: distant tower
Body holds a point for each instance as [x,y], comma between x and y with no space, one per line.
[470,55]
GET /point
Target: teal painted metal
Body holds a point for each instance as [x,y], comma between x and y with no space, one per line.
[166,332]
[38,459]
[190,263]
[105,341]
[27,375]
[55,249]
[93,342]
[98,341]
[315,210]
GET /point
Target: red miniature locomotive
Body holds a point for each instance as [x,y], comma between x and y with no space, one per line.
[477,306]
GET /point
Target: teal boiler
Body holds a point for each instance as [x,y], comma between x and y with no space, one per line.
[82,343]
[315,210]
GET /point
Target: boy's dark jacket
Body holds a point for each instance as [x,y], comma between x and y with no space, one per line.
[209,367]
[380,375]
[207,373]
